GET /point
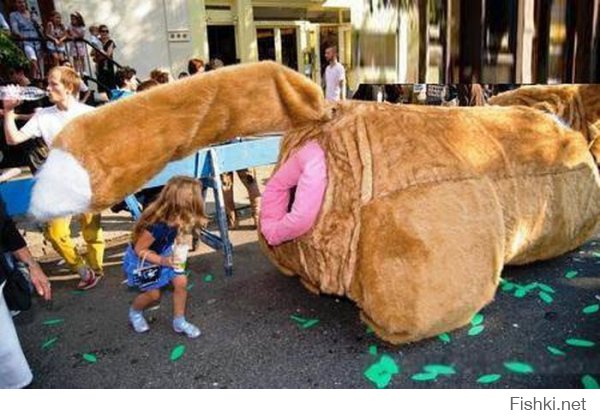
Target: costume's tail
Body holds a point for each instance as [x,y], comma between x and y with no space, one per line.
[576,105]
[101,157]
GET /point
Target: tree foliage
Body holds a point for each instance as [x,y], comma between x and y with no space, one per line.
[11,55]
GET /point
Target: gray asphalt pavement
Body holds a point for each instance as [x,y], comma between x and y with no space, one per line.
[249,339]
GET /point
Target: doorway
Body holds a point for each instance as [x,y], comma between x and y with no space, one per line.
[289,48]
[278,44]
[265,38]
[221,43]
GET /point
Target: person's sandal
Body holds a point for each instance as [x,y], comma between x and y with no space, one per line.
[90,280]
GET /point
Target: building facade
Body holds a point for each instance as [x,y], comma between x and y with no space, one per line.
[166,33]
[379,41]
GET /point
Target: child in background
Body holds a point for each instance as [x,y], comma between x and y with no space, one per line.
[78,48]
[162,76]
[56,33]
[178,209]
[94,37]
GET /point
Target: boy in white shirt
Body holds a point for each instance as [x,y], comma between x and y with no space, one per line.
[63,84]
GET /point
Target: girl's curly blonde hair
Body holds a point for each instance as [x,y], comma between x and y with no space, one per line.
[178,205]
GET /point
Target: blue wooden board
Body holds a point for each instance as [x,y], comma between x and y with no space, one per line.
[244,154]
[188,166]
[16,195]
[232,156]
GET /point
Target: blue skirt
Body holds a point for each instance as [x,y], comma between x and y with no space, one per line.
[131,262]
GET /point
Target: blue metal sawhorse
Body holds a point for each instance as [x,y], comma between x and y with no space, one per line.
[206,164]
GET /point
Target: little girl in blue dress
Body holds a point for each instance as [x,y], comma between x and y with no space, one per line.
[177,210]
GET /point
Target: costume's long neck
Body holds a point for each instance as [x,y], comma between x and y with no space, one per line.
[251,103]
[124,144]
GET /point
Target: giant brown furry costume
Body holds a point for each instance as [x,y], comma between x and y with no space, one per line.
[424,205]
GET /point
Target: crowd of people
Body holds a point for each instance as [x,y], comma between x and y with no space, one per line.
[48,44]
[431,94]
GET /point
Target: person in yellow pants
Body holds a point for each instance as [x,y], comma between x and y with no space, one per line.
[58,233]
[63,84]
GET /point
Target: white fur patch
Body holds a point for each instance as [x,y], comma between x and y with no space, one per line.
[62,187]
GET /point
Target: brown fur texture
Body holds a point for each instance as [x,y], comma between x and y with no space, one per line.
[424,205]
[578,105]
[125,143]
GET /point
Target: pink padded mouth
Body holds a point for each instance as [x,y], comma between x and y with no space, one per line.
[307,171]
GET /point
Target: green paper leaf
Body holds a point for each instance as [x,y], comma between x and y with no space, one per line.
[310,323]
[298,319]
[91,358]
[518,367]
[530,287]
[477,319]
[177,352]
[508,286]
[545,297]
[304,323]
[440,369]
[520,292]
[488,379]
[546,288]
[190,286]
[596,254]
[555,351]
[582,343]
[49,343]
[388,363]
[52,322]
[208,278]
[381,372]
[475,330]
[424,376]
[571,274]
[591,309]
[378,376]
[444,337]
[589,382]
[373,350]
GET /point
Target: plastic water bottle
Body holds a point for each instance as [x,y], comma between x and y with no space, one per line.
[22,92]
[180,254]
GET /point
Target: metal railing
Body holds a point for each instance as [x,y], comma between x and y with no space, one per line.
[71,44]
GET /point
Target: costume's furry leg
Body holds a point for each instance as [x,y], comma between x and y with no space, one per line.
[102,156]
